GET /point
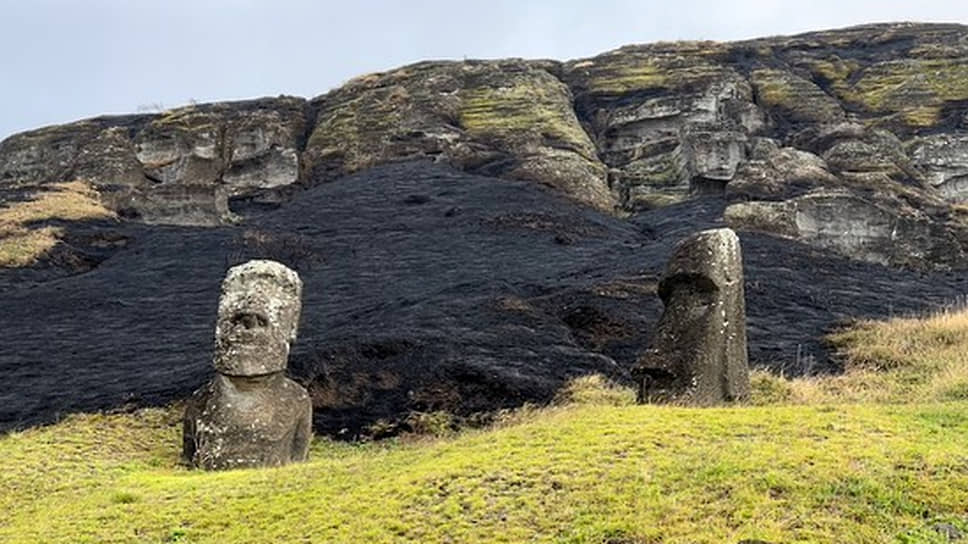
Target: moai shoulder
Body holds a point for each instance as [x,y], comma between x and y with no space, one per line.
[251,414]
[699,354]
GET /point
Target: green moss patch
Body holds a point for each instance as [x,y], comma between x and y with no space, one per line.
[914,89]
[793,97]
[533,107]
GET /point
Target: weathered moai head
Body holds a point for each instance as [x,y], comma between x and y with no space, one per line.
[258,314]
[251,414]
[699,353]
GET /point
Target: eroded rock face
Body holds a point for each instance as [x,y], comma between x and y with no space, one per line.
[855,227]
[180,167]
[511,118]
[944,159]
[668,119]
[878,111]
[699,353]
[251,414]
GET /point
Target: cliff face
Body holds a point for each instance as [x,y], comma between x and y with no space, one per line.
[867,124]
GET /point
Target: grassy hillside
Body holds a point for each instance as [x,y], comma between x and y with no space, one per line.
[805,466]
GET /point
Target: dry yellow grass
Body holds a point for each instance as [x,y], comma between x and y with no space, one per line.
[21,243]
[917,359]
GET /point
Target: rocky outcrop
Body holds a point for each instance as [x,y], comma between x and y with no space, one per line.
[944,160]
[507,118]
[669,119]
[879,111]
[847,224]
[180,167]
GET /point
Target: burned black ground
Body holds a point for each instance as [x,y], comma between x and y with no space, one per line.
[425,289]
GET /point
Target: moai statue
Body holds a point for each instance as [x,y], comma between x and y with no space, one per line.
[699,354]
[251,414]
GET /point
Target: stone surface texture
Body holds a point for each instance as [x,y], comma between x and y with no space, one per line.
[251,414]
[699,354]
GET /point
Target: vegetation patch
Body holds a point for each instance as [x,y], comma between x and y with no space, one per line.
[915,89]
[357,129]
[796,98]
[530,106]
[23,238]
[913,359]
[619,76]
[594,469]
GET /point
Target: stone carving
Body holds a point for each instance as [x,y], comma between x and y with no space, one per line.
[699,352]
[251,414]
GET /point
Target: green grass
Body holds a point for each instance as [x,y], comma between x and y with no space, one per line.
[591,472]
[829,466]
[922,359]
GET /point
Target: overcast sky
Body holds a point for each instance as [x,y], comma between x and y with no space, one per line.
[62,60]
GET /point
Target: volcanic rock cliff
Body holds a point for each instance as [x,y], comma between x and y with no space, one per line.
[528,252]
[865,126]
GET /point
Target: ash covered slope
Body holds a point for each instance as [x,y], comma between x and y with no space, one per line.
[425,289]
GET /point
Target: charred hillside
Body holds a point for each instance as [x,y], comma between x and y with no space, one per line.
[471,234]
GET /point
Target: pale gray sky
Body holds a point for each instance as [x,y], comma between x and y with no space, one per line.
[62,60]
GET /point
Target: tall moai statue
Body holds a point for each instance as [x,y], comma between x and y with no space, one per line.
[251,414]
[699,355]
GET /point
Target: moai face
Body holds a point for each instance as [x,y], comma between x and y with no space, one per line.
[258,314]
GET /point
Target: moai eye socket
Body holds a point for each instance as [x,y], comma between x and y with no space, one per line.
[250,320]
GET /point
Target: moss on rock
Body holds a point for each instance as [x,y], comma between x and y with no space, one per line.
[913,90]
[793,98]
[511,118]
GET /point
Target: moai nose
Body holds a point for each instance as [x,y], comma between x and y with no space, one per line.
[250,320]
